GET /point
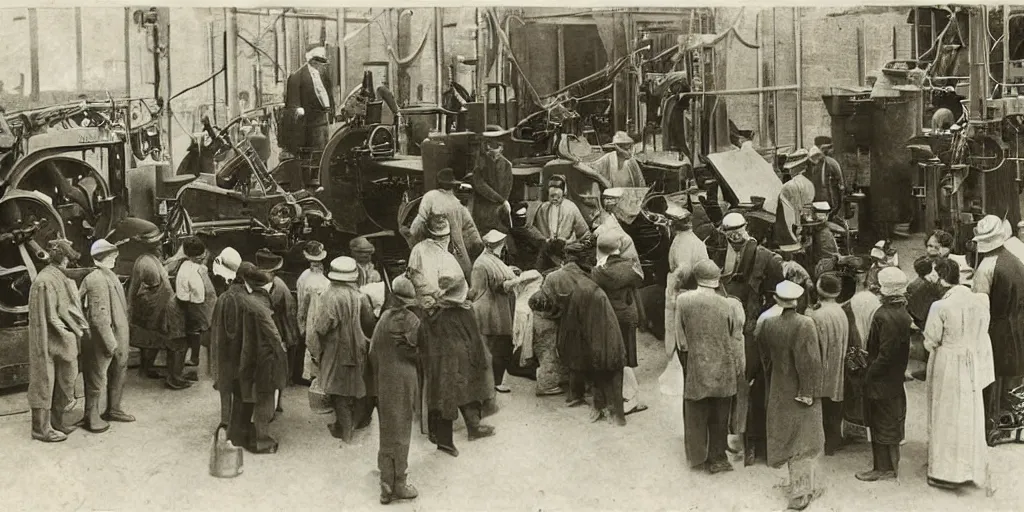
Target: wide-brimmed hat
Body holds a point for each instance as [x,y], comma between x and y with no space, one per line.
[446,176]
[988,234]
[707,274]
[815,154]
[253,276]
[314,251]
[829,285]
[343,269]
[101,248]
[227,263]
[438,225]
[360,244]
[892,281]
[267,261]
[622,138]
[788,292]
[494,237]
[796,158]
[150,237]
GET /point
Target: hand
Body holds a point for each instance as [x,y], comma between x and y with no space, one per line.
[808,401]
[299,112]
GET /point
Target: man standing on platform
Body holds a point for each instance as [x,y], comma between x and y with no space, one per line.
[309,108]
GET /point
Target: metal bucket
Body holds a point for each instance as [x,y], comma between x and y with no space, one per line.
[225,457]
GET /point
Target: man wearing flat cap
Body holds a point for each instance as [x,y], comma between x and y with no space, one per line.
[833,329]
[709,346]
[362,251]
[885,399]
[262,371]
[686,251]
[491,294]
[1000,275]
[825,173]
[309,108]
[56,326]
[492,184]
[105,350]
[789,352]
[466,244]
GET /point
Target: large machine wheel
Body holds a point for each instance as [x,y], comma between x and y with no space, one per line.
[78,193]
[27,223]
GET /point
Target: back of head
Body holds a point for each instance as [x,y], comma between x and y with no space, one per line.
[948,270]
[923,266]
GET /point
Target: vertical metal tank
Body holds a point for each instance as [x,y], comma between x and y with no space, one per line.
[436,156]
[895,119]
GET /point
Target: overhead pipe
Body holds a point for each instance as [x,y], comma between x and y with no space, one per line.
[231,60]
[797,29]
[761,128]
[439,52]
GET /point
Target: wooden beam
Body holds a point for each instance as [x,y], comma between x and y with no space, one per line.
[561,56]
[33,52]
[79,64]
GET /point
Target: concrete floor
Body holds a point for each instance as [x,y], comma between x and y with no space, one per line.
[544,457]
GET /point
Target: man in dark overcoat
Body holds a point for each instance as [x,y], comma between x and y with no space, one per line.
[885,399]
[309,109]
[226,336]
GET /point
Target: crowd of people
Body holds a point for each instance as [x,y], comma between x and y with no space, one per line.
[761,348]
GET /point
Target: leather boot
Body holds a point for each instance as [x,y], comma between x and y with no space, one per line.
[147,364]
[57,421]
[342,427]
[92,420]
[41,429]
[402,489]
[175,369]
[471,413]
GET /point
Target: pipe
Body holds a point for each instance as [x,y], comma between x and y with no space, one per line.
[1006,46]
[33,52]
[162,58]
[797,29]
[749,90]
[127,52]
[231,60]
[439,53]
[342,55]
[481,65]
[79,61]
[775,78]
[977,53]
[212,50]
[761,128]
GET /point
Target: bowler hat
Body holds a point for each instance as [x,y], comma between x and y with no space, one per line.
[268,261]
[446,176]
[361,245]
[707,274]
[314,251]
[343,269]
[253,276]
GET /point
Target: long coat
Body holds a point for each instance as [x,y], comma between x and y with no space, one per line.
[827,177]
[492,303]
[310,285]
[465,237]
[888,346]
[686,251]
[226,331]
[342,318]
[619,281]
[299,92]
[1001,276]
[55,328]
[588,330]
[285,312]
[492,184]
[956,335]
[709,328]
[106,308]
[263,365]
[393,355]
[789,348]
[833,328]
[156,317]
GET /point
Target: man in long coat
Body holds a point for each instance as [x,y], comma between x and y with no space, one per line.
[466,243]
[226,328]
[833,329]
[393,353]
[558,217]
[56,325]
[825,174]
[589,340]
[262,365]
[105,350]
[885,399]
[1000,275]
[343,317]
[492,184]
[750,274]
[308,288]
[686,251]
[791,356]
[710,328]
[157,319]
[309,107]
[492,304]
[282,303]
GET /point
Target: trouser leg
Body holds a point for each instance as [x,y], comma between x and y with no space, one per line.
[832,423]
[613,396]
[882,457]
[577,386]
[263,412]
[801,477]
[240,424]
[94,373]
[718,429]
[364,411]
[442,430]
[630,388]
[117,373]
[194,342]
[147,362]
[599,386]
[344,425]
[65,374]
[472,413]
[894,457]
[501,356]
[695,431]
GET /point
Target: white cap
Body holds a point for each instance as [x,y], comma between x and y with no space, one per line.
[101,247]
[493,236]
[822,206]
[613,193]
[226,264]
[733,221]
[788,290]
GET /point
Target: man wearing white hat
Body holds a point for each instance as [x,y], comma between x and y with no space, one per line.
[492,304]
[628,173]
[226,346]
[885,399]
[709,337]
[340,345]
[1000,275]
[105,350]
[798,193]
[790,352]
[308,100]
[686,251]
[310,285]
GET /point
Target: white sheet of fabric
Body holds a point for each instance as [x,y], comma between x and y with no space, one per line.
[630,390]
[863,305]
[956,335]
[671,382]
[528,284]
[376,292]
[318,86]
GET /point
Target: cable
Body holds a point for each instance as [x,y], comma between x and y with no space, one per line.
[207,79]
[260,50]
